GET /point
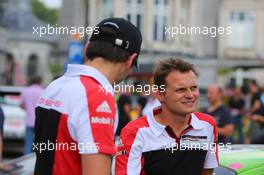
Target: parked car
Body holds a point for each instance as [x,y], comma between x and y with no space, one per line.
[14,125]
[241,160]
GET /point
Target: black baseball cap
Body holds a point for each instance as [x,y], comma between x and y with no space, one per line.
[126,36]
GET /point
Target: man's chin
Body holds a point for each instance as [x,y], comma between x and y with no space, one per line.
[188,107]
[191,110]
[186,113]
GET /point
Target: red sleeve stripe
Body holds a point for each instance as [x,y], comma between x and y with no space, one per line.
[102,123]
[128,136]
[209,119]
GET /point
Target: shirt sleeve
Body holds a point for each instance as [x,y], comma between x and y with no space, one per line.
[129,155]
[211,160]
[92,120]
[102,112]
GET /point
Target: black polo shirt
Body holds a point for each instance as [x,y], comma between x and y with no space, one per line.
[222,117]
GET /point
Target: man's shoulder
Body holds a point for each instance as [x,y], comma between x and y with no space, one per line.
[221,110]
[75,85]
[129,132]
[205,117]
[36,89]
[224,110]
[92,85]
[135,125]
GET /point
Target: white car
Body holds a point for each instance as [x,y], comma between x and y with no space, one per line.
[14,124]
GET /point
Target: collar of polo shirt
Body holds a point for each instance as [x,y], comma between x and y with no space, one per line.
[158,128]
[78,70]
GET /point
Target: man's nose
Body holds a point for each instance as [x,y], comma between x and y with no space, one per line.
[189,93]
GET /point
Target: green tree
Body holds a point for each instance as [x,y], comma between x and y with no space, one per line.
[50,16]
[56,69]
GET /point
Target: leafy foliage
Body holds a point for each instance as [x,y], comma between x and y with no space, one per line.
[50,16]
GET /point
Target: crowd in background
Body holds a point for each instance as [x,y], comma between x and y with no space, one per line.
[238,111]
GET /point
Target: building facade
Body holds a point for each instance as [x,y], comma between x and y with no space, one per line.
[222,38]
[26,54]
[243,50]
[170,28]
[3,40]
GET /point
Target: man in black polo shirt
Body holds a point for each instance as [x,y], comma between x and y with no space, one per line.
[236,105]
[257,113]
[220,112]
[174,139]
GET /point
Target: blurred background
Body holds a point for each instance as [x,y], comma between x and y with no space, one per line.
[229,60]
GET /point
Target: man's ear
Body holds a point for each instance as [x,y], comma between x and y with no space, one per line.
[159,95]
[86,47]
[131,59]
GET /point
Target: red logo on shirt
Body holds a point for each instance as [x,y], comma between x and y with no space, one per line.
[49,102]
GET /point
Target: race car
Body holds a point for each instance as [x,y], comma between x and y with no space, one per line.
[241,160]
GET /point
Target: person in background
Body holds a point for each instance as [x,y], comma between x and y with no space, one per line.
[257,107]
[152,101]
[124,107]
[220,112]
[236,105]
[257,113]
[29,98]
[141,103]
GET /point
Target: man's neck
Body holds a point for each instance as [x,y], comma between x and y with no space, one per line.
[177,122]
[106,68]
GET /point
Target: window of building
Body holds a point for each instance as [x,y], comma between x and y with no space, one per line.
[243,30]
[184,19]
[134,9]
[32,67]
[9,70]
[160,20]
[106,9]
